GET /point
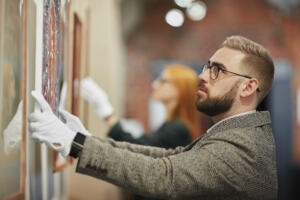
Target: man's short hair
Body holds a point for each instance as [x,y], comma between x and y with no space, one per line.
[257,62]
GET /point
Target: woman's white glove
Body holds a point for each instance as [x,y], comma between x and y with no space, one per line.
[73,122]
[46,127]
[91,92]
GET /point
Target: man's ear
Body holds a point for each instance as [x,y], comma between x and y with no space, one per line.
[249,87]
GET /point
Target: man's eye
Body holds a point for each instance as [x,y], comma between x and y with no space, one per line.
[221,70]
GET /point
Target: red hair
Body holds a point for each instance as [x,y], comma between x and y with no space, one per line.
[186,81]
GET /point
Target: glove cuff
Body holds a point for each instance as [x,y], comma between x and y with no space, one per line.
[77,145]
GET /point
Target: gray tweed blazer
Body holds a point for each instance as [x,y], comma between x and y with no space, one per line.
[234,160]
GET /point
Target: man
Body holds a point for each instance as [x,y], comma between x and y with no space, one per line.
[235,159]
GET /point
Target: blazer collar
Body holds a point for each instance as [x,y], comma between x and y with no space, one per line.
[254,119]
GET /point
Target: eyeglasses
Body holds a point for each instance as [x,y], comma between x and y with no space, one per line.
[162,80]
[215,68]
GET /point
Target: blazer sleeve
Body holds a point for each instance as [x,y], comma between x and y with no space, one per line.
[169,135]
[189,173]
[126,168]
[142,149]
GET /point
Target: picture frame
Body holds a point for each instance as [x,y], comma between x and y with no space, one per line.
[77,66]
[53,63]
[13,56]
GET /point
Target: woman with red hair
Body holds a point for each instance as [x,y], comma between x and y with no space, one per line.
[175,88]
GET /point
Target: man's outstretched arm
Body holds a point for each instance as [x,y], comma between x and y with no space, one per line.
[140,174]
[155,152]
[191,173]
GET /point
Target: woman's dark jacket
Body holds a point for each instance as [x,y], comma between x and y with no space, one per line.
[170,135]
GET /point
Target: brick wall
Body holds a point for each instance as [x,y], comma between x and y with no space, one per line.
[196,41]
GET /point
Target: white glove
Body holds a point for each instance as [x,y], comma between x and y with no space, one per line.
[46,127]
[73,122]
[91,92]
[12,135]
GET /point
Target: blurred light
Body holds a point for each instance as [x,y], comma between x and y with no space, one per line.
[174,17]
[196,11]
[184,3]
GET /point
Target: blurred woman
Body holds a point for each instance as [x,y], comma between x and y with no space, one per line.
[175,88]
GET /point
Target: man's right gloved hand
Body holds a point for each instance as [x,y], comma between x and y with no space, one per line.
[95,95]
[73,122]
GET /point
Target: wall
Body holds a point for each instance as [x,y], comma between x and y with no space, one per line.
[105,64]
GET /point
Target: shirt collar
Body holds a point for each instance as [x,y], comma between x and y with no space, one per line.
[233,116]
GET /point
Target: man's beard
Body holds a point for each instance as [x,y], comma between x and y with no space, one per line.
[217,105]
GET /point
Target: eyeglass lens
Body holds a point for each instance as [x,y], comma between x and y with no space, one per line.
[214,71]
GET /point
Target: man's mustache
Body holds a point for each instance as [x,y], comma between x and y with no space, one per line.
[202,87]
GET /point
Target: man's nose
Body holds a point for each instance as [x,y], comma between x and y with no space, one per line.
[204,76]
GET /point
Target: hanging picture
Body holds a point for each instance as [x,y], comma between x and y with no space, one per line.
[77,40]
[51,72]
[12,137]
[53,61]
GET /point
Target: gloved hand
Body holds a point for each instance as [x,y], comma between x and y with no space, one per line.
[73,122]
[12,134]
[70,120]
[46,127]
[91,92]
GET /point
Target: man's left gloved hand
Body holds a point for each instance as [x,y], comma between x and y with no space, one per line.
[70,120]
[46,127]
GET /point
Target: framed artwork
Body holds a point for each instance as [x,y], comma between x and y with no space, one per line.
[51,53]
[77,46]
[77,58]
[13,108]
[53,62]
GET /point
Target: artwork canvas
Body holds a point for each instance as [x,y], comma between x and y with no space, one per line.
[51,77]
[12,171]
[53,61]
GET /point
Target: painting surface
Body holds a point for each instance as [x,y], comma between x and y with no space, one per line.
[52,64]
[10,94]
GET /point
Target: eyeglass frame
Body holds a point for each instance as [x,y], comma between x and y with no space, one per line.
[220,67]
[161,80]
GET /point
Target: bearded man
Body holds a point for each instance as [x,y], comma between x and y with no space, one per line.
[235,159]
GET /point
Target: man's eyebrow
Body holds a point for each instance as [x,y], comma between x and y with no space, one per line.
[222,66]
